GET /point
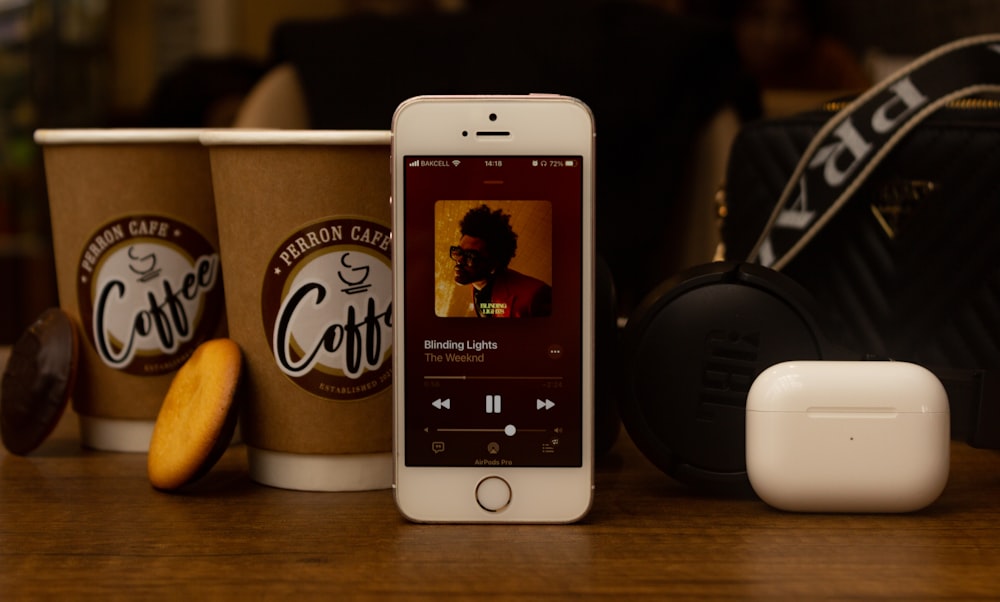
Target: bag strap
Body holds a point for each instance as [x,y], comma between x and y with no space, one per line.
[854,141]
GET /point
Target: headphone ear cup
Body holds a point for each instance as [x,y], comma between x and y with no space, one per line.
[692,349]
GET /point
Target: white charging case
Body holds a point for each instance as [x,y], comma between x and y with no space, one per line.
[825,436]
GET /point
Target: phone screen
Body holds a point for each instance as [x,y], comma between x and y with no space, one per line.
[493,309]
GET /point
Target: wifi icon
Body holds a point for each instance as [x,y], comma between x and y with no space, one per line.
[455,162]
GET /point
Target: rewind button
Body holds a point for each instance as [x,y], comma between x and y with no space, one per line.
[442,404]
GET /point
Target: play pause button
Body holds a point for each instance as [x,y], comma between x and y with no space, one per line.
[544,404]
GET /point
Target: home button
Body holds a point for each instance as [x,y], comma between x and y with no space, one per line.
[493,494]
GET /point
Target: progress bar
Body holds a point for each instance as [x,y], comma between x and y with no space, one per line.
[466,377]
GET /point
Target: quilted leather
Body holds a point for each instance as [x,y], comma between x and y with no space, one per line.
[931,293]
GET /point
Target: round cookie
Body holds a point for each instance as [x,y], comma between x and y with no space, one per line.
[38,381]
[198,416]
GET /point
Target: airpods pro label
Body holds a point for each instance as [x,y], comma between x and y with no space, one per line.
[150,291]
[326,302]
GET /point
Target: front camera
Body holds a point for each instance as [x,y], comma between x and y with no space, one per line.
[493,116]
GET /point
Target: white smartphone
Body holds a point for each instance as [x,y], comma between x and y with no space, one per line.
[493,308]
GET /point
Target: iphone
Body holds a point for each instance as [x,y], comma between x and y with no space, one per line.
[493,303]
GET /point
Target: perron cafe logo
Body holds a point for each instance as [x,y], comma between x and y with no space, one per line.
[326,302]
[150,291]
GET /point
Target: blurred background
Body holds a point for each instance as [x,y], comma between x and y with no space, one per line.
[119,63]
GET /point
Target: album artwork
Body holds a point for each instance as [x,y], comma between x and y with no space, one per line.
[493,259]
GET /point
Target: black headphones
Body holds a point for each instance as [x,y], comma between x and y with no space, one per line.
[695,344]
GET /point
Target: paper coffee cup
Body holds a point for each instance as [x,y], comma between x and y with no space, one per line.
[137,266]
[305,236]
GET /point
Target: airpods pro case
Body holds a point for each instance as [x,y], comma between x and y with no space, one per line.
[825,436]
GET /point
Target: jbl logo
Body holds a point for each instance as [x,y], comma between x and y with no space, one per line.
[730,367]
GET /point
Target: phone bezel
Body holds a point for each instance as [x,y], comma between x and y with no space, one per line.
[529,125]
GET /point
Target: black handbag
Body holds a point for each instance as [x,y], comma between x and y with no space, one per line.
[887,209]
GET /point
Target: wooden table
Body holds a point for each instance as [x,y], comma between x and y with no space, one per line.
[78,524]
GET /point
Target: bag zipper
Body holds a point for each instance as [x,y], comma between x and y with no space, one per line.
[962,104]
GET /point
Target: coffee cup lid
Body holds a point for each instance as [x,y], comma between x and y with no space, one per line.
[68,136]
[255,137]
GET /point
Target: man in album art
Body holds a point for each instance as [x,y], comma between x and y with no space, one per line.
[482,255]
